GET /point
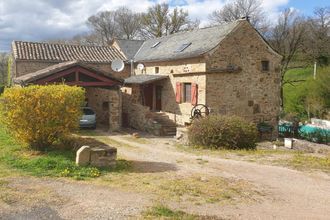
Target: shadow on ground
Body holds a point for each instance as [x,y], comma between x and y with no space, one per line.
[151,167]
[42,212]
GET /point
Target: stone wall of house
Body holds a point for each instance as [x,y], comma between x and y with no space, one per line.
[107,105]
[24,67]
[250,93]
[178,112]
[182,66]
[181,112]
[136,115]
[184,71]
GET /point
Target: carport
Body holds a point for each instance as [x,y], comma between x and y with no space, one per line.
[103,93]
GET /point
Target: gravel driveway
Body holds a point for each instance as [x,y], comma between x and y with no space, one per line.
[286,193]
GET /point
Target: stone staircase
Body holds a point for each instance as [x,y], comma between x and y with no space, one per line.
[167,126]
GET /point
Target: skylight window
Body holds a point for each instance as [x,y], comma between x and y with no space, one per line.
[182,47]
[156,44]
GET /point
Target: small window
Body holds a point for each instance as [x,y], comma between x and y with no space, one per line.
[156,69]
[187,92]
[155,44]
[265,65]
[182,47]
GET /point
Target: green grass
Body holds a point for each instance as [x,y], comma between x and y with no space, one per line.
[295,94]
[54,163]
[301,161]
[299,73]
[200,151]
[163,212]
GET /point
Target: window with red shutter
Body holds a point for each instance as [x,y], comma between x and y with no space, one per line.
[187,92]
[194,94]
[178,92]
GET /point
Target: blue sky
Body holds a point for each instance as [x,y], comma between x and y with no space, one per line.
[307,6]
[40,20]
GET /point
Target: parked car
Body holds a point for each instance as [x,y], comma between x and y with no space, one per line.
[88,119]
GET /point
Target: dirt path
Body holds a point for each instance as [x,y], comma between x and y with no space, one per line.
[286,193]
[290,194]
[44,198]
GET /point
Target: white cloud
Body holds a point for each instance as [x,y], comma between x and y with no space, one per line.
[272,8]
[201,9]
[38,20]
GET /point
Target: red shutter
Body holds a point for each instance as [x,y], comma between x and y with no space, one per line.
[178,92]
[194,94]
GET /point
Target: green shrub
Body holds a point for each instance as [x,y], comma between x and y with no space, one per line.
[41,115]
[228,132]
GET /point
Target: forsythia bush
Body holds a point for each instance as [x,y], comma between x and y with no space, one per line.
[227,132]
[41,115]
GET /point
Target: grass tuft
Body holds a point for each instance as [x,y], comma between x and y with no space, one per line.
[163,212]
[306,162]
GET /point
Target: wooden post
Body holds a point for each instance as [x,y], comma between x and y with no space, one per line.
[315,69]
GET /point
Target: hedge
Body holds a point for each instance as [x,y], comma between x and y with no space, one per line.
[41,115]
[226,132]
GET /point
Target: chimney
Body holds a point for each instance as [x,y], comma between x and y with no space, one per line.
[247,18]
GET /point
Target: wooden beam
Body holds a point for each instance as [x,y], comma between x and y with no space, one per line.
[76,76]
[86,84]
[77,70]
[94,75]
[55,76]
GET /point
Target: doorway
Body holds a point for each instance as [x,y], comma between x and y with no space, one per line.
[148,91]
[159,98]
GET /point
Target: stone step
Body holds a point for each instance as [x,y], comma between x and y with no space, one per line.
[168,127]
[169,130]
[167,124]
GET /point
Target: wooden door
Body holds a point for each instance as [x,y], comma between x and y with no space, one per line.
[158,98]
[148,92]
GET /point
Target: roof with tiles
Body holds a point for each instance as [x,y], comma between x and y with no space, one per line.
[64,52]
[144,78]
[184,44]
[129,47]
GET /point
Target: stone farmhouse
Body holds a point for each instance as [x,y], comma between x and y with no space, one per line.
[230,68]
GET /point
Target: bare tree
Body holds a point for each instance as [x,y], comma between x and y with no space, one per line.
[317,44]
[105,25]
[160,21]
[128,22]
[155,20]
[236,9]
[287,37]
[179,20]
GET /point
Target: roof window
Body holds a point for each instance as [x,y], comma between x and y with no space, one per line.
[155,44]
[182,47]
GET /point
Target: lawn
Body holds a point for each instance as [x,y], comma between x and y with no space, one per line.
[294,93]
[17,158]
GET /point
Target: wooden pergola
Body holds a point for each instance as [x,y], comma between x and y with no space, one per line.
[72,73]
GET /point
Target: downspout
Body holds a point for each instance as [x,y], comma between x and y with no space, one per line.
[132,67]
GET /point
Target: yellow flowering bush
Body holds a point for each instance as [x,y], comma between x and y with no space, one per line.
[41,115]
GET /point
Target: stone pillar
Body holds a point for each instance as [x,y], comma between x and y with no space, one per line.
[115,113]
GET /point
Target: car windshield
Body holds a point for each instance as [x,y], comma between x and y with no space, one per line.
[88,111]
